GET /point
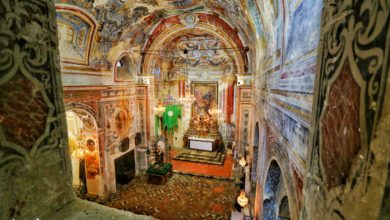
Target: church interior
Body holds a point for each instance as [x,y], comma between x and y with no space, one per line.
[195,109]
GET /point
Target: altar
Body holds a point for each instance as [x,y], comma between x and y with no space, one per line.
[206,144]
[203,134]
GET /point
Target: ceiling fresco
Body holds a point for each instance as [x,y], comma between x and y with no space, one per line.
[198,55]
[127,24]
[196,45]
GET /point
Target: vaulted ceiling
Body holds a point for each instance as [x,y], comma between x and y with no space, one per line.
[134,24]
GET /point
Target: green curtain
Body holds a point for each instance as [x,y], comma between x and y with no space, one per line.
[170,117]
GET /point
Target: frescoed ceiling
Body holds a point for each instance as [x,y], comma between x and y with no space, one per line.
[196,54]
[127,24]
[197,45]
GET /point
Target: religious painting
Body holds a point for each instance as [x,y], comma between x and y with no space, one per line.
[122,122]
[206,97]
[119,120]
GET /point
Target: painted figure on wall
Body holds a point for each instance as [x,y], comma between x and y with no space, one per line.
[122,123]
[91,159]
[206,96]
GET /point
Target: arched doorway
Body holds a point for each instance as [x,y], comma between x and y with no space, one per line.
[275,200]
[84,151]
[284,210]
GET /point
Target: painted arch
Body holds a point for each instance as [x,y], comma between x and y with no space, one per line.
[210,25]
[77,29]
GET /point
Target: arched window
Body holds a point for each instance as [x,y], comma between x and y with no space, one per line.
[274,189]
[124,69]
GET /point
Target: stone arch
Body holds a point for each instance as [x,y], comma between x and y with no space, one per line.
[284,209]
[85,107]
[272,185]
[279,155]
[84,149]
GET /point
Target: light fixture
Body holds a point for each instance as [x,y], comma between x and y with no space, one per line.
[187,99]
[76,146]
[242,199]
[159,109]
[242,162]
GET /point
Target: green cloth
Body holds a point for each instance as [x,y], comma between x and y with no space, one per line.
[170,116]
[159,169]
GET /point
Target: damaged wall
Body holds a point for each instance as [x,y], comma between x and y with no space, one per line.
[349,148]
[35,177]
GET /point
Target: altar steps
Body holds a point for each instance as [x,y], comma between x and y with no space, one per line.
[201,166]
[198,156]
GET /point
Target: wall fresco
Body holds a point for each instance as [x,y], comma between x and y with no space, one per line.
[127,24]
[293,131]
[119,120]
[289,69]
[291,78]
[74,37]
[303,32]
[254,12]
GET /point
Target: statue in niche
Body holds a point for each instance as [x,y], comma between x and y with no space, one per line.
[159,155]
[92,159]
[159,151]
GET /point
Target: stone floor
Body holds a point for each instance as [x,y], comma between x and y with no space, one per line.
[182,197]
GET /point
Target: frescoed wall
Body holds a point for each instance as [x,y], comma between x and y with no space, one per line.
[302,34]
[285,73]
[289,69]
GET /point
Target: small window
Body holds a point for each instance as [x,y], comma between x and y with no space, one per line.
[124,69]
[119,64]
